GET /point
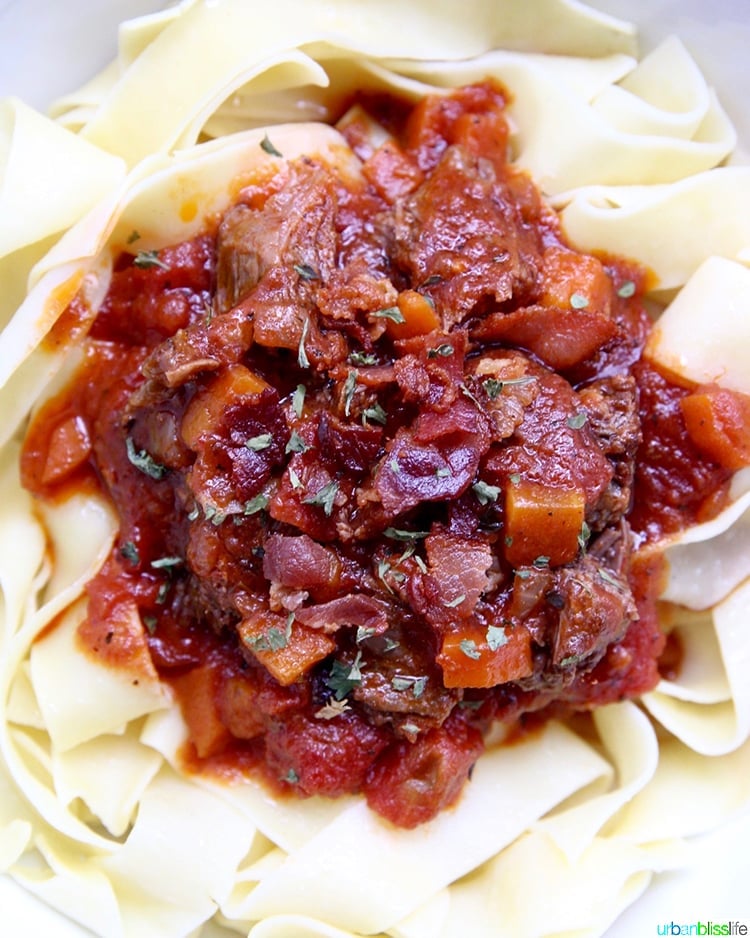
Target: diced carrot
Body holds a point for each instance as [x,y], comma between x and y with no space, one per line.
[468,660]
[197,692]
[573,280]
[541,521]
[419,316]
[204,412]
[69,447]
[286,651]
[718,421]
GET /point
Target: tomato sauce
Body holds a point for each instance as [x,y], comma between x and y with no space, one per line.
[382,454]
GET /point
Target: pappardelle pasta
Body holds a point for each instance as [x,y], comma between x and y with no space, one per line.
[99,814]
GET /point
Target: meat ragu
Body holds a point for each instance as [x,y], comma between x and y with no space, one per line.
[375,450]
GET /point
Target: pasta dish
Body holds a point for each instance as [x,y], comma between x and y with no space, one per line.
[376,461]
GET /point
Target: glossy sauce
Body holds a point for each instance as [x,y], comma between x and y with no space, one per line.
[414,442]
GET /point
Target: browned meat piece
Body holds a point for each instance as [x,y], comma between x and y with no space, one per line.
[597,608]
[402,685]
[554,445]
[612,411]
[203,346]
[463,236]
[295,227]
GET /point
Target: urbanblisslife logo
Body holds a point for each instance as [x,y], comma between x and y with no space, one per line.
[703,928]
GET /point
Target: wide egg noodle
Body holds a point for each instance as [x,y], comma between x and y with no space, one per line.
[48,176]
[569,134]
[363,874]
[720,727]
[250,39]
[160,201]
[180,860]
[672,229]
[594,831]
[289,824]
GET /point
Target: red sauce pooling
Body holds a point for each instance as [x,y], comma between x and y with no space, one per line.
[381,455]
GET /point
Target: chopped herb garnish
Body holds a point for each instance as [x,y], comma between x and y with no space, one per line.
[576,421]
[376,414]
[442,472]
[269,148]
[324,497]
[146,259]
[407,553]
[432,280]
[523,574]
[411,729]
[406,682]
[363,358]
[298,399]
[212,514]
[541,562]
[194,514]
[350,386]
[260,442]
[390,312]
[294,478]
[626,290]
[570,660]
[470,704]
[167,563]
[363,633]
[515,478]
[306,272]
[296,444]
[583,536]
[579,301]
[486,493]
[130,552]
[344,677]
[302,360]
[141,460]
[493,387]
[399,534]
[161,596]
[259,503]
[467,393]
[384,568]
[420,563]
[150,622]
[334,708]
[496,637]
[272,639]
[469,647]
[133,236]
[441,351]
[292,777]
[455,602]
[393,463]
